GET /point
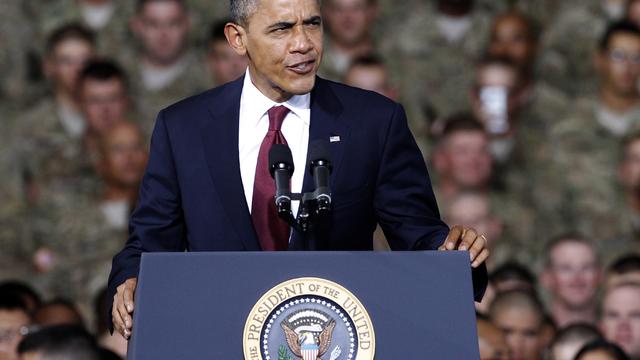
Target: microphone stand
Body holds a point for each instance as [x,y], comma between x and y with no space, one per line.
[311,209]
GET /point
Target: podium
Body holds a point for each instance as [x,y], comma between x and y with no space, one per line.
[320,305]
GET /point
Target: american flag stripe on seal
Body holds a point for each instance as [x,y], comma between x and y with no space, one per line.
[309,352]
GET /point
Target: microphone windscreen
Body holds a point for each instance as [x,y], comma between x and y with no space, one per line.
[280,153]
[318,150]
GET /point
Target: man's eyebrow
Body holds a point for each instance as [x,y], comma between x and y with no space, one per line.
[281,25]
[312,20]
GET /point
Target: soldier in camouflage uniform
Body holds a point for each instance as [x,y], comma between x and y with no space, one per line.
[432,53]
[586,143]
[165,69]
[348,35]
[80,231]
[49,142]
[107,18]
[570,42]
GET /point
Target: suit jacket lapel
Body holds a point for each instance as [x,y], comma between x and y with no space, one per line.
[326,125]
[220,138]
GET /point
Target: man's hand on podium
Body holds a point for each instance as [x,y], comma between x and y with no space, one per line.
[463,239]
[123,307]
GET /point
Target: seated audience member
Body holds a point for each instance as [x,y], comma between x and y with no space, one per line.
[491,341]
[113,342]
[620,317]
[58,312]
[104,99]
[370,73]
[601,350]
[572,275]
[348,25]
[14,324]
[29,295]
[66,342]
[223,63]
[569,340]
[624,269]
[520,315]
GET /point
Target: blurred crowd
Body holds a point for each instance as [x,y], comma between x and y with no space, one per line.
[527,113]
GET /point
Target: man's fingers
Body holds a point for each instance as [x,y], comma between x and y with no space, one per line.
[128,297]
[451,242]
[468,239]
[484,254]
[478,245]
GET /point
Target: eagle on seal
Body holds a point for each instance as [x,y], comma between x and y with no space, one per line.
[304,345]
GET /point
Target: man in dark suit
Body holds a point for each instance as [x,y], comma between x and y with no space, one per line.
[206,187]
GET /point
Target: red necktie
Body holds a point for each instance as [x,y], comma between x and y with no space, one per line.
[272,231]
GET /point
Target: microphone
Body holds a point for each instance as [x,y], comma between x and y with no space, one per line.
[320,168]
[281,169]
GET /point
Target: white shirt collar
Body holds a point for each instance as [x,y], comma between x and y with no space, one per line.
[260,104]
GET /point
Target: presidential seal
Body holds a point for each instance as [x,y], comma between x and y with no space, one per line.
[309,319]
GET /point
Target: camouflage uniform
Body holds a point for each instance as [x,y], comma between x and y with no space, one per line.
[72,226]
[434,75]
[586,156]
[48,155]
[568,46]
[192,80]
[110,38]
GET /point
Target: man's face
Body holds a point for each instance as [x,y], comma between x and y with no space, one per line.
[11,324]
[124,156]
[620,321]
[512,39]
[521,328]
[162,27]
[467,158]
[630,168]
[492,343]
[474,211]
[573,274]
[66,61]
[620,64]
[224,64]
[349,21]
[373,78]
[103,102]
[283,40]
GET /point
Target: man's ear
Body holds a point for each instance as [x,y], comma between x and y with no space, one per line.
[236,36]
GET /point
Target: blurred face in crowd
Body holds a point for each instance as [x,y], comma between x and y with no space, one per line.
[124,157]
[66,60]
[597,355]
[566,351]
[373,78]
[349,21]
[619,65]
[491,341]
[283,40]
[103,102]
[474,210]
[162,27]
[522,327]
[512,38]
[223,62]
[12,323]
[57,314]
[633,12]
[464,158]
[620,322]
[573,274]
[630,167]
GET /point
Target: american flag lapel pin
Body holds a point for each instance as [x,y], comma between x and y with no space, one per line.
[334,138]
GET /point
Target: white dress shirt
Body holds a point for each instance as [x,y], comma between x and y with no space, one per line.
[254,124]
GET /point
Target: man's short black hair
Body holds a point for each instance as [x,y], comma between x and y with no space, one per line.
[61,342]
[12,301]
[71,31]
[102,70]
[461,122]
[21,289]
[140,4]
[620,27]
[625,264]
[512,271]
[602,345]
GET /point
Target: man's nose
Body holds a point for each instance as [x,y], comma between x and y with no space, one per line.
[301,40]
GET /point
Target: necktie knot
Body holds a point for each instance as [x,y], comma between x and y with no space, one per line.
[276,117]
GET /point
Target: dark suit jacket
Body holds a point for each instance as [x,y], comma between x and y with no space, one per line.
[191,197]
